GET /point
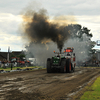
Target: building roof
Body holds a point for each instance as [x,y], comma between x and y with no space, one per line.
[3,55]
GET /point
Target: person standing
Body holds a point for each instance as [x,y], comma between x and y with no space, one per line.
[0,63]
[3,63]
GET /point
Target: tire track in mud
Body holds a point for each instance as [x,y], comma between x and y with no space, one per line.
[39,85]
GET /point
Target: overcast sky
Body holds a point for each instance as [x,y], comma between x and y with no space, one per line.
[86,13]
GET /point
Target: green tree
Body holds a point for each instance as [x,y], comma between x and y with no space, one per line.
[21,56]
[12,55]
[82,35]
[77,31]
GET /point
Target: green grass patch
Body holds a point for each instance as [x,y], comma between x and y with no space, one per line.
[88,67]
[93,92]
[14,68]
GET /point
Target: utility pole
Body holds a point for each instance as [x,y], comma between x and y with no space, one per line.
[8,54]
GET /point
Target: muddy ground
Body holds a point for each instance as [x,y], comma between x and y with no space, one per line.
[40,85]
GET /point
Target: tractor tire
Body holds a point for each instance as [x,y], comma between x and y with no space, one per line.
[71,67]
[63,66]
[74,69]
[49,66]
[68,66]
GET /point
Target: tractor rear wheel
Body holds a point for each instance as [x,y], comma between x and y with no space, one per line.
[68,66]
[49,66]
[63,66]
[74,68]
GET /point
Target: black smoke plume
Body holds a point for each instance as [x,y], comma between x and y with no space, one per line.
[38,28]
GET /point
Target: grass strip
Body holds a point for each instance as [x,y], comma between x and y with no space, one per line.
[14,68]
[88,67]
[93,92]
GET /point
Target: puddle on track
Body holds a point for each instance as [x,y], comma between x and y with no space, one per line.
[22,88]
[6,85]
[69,78]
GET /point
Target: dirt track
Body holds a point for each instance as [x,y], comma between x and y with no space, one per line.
[39,85]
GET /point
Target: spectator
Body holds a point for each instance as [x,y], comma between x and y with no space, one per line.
[3,63]
[0,63]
